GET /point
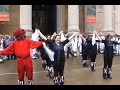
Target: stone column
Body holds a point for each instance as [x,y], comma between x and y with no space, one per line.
[107,19]
[60,18]
[117,19]
[73,18]
[26,18]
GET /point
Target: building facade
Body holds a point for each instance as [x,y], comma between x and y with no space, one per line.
[69,18]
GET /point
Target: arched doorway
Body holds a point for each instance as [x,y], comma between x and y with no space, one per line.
[44,18]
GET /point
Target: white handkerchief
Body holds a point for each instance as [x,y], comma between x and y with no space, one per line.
[49,52]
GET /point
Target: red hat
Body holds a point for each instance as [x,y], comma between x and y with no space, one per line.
[19,32]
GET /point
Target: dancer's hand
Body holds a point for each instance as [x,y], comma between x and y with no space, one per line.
[43,43]
[37,30]
[54,33]
[61,31]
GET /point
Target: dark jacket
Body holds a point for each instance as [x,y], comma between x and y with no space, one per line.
[59,55]
[109,51]
[84,47]
[92,49]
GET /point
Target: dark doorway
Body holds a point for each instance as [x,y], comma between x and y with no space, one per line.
[44,18]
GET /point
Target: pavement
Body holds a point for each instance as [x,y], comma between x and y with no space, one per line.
[75,73]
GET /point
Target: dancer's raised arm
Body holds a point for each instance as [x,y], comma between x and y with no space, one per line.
[54,34]
[41,35]
[97,35]
[82,37]
[72,36]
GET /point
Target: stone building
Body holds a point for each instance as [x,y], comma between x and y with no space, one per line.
[69,18]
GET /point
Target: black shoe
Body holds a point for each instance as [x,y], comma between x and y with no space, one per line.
[56,81]
[109,76]
[61,83]
[109,73]
[92,69]
[105,75]
[51,75]
[56,84]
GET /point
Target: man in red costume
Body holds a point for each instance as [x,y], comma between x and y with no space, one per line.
[21,47]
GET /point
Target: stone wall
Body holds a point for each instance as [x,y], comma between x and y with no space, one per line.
[14,23]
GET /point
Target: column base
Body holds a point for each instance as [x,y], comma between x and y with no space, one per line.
[89,32]
[70,32]
[117,32]
[107,32]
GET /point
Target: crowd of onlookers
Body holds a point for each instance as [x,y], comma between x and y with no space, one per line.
[5,41]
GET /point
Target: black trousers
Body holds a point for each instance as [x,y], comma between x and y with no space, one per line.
[8,57]
[84,56]
[58,69]
[13,56]
[108,61]
[45,57]
[69,52]
[49,63]
[93,58]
